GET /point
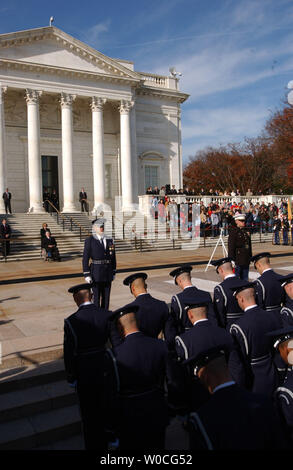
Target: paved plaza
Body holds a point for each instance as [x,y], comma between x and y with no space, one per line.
[35,302]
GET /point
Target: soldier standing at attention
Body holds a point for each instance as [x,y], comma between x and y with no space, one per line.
[239,247]
[85,336]
[283,341]
[102,270]
[256,367]
[268,290]
[226,306]
[233,418]
[287,309]
[182,278]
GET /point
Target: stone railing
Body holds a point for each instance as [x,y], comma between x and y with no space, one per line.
[160,81]
[146,199]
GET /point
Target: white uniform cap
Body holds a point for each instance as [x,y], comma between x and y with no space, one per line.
[239,217]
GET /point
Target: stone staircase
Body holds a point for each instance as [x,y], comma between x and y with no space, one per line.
[38,409]
[72,230]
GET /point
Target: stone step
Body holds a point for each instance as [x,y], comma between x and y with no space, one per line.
[38,399]
[40,429]
[19,378]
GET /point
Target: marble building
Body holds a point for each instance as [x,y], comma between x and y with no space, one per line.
[71,117]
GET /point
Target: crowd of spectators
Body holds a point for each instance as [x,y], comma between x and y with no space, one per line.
[260,217]
[168,190]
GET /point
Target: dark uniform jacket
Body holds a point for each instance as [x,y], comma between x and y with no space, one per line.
[141,363]
[151,317]
[226,306]
[85,335]
[284,398]
[103,266]
[202,335]
[239,246]
[269,292]
[234,418]
[178,303]
[257,370]
[287,312]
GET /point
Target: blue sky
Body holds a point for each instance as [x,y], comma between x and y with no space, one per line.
[236,57]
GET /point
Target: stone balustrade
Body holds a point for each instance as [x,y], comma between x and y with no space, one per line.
[146,200]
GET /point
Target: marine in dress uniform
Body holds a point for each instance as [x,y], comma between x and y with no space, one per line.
[152,314]
[257,370]
[233,418]
[239,247]
[268,290]
[287,309]
[85,335]
[226,306]
[141,364]
[102,269]
[189,292]
[283,342]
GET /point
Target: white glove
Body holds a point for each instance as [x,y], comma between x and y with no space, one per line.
[88,279]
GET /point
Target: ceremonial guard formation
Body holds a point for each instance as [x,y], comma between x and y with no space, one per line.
[222,365]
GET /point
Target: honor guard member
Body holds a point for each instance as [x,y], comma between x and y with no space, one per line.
[85,335]
[257,370]
[102,269]
[283,342]
[226,306]
[189,292]
[287,309]
[202,333]
[239,247]
[141,363]
[152,313]
[268,290]
[233,418]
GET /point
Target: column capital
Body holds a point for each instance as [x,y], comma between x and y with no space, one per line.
[66,100]
[32,96]
[125,106]
[97,103]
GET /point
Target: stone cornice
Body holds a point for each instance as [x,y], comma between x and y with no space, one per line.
[10,64]
[163,93]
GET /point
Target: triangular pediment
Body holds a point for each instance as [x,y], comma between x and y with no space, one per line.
[52,47]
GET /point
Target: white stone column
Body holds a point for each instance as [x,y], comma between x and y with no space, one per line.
[97,105]
[126,160]
[2,149]
[134,153]
[34,153]
[67,152]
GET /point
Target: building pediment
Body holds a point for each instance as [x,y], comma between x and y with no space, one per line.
[51,47]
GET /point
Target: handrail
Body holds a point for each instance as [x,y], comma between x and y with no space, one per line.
[66,217]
